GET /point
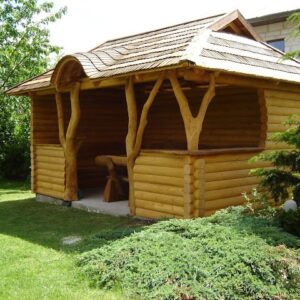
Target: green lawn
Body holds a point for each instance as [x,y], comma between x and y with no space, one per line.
[34,264]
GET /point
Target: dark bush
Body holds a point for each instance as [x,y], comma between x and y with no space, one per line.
[290,221]
[15,162]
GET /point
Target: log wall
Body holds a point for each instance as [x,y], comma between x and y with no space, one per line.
[165,185]
[279,105]
[44,125]
[233,119]
[220,180]
[102,129]
[49,170]
[159,185]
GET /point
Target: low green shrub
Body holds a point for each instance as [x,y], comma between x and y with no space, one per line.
[290,221]
[227,256]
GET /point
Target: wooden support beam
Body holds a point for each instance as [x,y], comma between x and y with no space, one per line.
[198,76]
[132,115]
[135,132]
[60,118]
[69,141]
[192,125]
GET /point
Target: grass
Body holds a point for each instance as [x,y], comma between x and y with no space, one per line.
[34,264]
[227,256]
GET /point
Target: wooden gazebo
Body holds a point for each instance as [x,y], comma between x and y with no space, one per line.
[182,107]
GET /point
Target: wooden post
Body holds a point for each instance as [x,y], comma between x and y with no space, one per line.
[192,125]
[69,142]
[135,132]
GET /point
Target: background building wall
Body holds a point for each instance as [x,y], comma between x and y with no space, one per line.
[276,27]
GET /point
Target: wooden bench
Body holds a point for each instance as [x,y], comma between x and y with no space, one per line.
[114,190]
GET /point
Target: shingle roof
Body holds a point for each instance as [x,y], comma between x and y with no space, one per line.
[193,42]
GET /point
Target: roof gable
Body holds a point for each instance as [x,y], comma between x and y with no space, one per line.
[234,22]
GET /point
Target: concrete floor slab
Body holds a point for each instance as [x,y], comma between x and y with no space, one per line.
[93,202]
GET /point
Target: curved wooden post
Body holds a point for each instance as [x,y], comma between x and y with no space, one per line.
[69,142]
[132,114]
[135,133]
[192,125]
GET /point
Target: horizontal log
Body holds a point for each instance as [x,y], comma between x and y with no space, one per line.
[228,157]
[162,171]
[282,95]
[44,178]
[50,186]
[283,102]
[282,111]
[223,203]
[276,127]
[44,128]
[50,159]
[158,153]
[274,119]
[233,131]
[226,193]
[50,173]
[51,193]
[151,214]
[47,120]
[230,166]
[270,145]
[217,185]
[231,123]
[52,153]
[161,198]
[160,161]
[47,166]
[48,146]
[160,207]
[234,139]
[173,181]
[210,177]
[158,188]
[44,140]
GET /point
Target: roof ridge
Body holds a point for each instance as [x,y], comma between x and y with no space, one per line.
[161,28]
[196,44]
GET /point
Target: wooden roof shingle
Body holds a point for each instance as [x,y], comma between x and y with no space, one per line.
[195,42]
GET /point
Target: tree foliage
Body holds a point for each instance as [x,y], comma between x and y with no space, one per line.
[24,52]
[283,180]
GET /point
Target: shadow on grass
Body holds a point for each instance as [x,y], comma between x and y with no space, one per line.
[47,224]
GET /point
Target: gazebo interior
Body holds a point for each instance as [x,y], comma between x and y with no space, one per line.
[233,120]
